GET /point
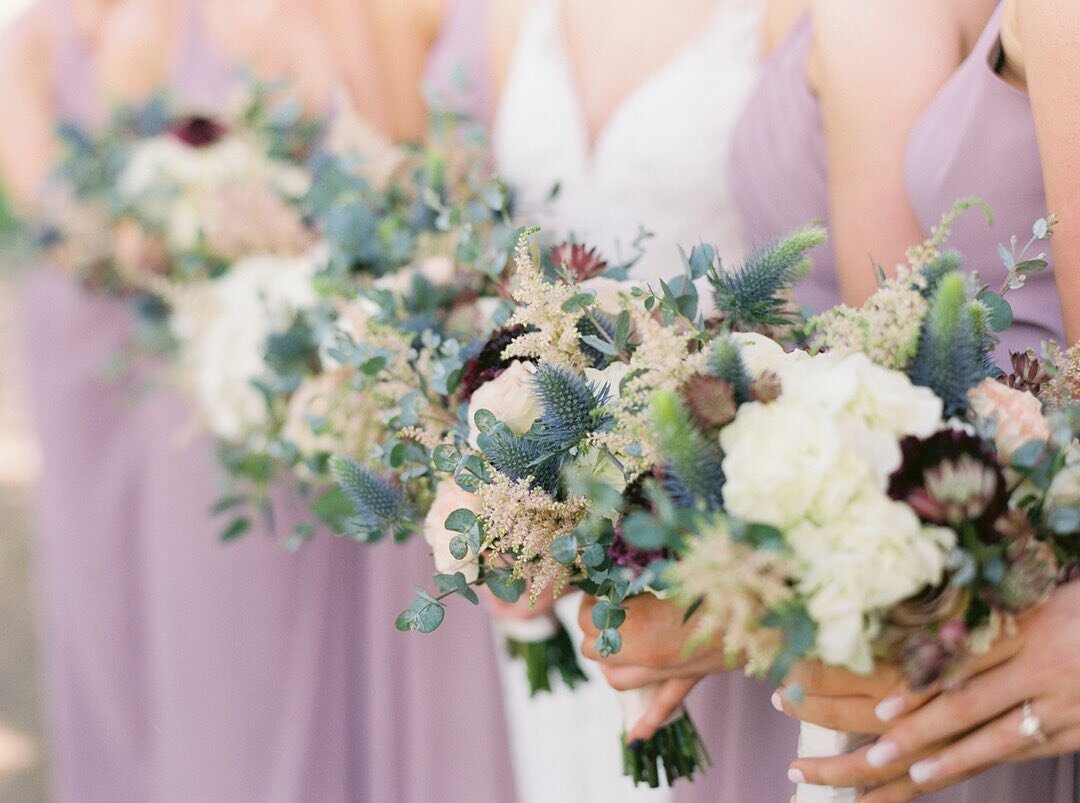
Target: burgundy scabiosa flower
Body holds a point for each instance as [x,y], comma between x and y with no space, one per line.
[949,479]
[489,362]
[928,656]
[582,263]
[197,131]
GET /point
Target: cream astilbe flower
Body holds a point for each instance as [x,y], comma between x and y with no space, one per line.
[886,328]
[524,521]
[556,339]
[738,585]
[1064,387]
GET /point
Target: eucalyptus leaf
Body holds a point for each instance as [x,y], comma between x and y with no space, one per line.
[564,549]
[1001,314]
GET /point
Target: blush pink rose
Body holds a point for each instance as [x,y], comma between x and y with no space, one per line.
[1016,414]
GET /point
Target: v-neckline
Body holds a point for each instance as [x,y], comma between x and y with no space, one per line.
[591,141]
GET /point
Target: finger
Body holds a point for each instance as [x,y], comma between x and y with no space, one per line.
[624,678]
[848,714]
[1062,743]
[813,677]
[584,616]
[994,743]
[668,698]
[903,699]
[991,694]
[904,789]
[850,770]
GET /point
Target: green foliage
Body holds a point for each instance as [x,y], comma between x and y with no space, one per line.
[954,347]
[378,507]
[542,658]
[696,477]
[756,293]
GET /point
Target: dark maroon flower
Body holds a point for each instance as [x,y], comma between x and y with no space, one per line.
[1027,372]
[950,478]
[197,131]
[628,556]
[489,362]
[928,656]
[580,262]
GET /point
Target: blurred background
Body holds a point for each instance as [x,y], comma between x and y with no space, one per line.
[22,770]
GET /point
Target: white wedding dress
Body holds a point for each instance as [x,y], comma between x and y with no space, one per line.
[660,162]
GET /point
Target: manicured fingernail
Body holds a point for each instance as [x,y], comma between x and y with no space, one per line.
[777,702]
[889,708]
[923,771]
[796,776]
[637,744]
[882,753]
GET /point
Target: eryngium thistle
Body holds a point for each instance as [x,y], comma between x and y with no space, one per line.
[692,460]
[580,262]
[570,408]
[379,506]
[954,347]
[756,294]
[726,363]
[521,458]
[950,478]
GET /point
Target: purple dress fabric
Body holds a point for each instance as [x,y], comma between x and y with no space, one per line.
[951,156]
[180,669]
[780,184]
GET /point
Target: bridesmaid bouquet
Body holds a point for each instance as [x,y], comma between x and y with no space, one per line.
[558,405]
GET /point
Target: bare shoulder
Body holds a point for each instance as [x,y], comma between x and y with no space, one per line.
[1053,24]
[780,17]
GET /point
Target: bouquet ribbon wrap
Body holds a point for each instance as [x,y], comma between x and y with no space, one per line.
[635,702]
[818,742]
[530,631]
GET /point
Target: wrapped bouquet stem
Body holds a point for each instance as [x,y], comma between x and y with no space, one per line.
[676,744]
[818,742]
[545,647]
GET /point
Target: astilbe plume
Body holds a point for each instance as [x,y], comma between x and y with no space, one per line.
[379,506]
[522,521]
[736,585]
[756,294]
[1064,388]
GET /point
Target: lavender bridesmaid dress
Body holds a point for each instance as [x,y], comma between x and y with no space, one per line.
[306,691]
[780,183]
[90,501]
[950,156]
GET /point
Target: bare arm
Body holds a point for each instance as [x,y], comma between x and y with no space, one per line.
[877,66]
[28,145]
[1049,31]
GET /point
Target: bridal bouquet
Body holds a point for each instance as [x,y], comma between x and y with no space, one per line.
[558,402]
[895,497]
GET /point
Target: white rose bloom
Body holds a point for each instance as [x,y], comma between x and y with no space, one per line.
[609,293]
[222,326]
[872,556]
[1065,489]
[448,498]
[509,397]
[784,462]
[612,376]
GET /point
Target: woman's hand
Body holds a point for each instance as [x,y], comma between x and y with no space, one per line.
[934,743]
[654,650]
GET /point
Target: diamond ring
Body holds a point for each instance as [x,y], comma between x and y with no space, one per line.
[1031,725]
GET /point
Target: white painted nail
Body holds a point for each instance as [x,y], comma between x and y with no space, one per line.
[882,753]
[925,770]
[777,702]
[889,708]
[796,776]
